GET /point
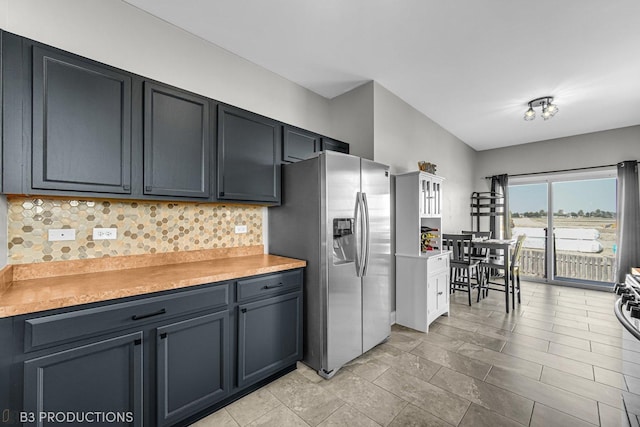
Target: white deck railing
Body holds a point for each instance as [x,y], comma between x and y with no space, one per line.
[594,267]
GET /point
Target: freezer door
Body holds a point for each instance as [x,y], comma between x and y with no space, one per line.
[376,284]
[344,300]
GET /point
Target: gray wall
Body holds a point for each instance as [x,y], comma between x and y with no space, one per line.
[352,119]
[592,149]
[403,136]
[121,35]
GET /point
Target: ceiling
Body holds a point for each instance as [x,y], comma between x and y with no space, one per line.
[471,68]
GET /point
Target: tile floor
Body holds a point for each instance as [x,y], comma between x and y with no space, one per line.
[561,359]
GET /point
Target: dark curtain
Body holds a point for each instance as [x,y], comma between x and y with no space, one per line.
[499,184]
[628,236]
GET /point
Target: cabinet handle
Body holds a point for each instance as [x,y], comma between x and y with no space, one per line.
[144,316]
[126,187]
[221,194]
[148,188]
[163,335]
[137,341]
[279,285]
[440,293]
[243,310]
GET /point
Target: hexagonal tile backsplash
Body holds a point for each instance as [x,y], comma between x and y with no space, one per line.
[143,227]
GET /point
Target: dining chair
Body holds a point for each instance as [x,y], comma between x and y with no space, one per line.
[514,270]
[462,266]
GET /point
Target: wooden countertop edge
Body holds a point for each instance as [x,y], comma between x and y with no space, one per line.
[258,264]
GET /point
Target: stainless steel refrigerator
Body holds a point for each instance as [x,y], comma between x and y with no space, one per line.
[335,214]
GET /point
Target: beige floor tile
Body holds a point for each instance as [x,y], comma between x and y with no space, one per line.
[308,373]
[562,400]
[617,352]
[452,360]
[600,338]
[413,365]
[309,401]
[279,417]
[633,384]
[487,395]
[477,338]
[596,359]
[424,395]
[367,368]
[368,398]
[412,416]
[411,333]
[544,416]
[612,417]
[348,416]
[442,341]
[403,342]
[610,378]
[253,406]
[478,416]
[551,360]
[219,418]
[553,337]
[503,360]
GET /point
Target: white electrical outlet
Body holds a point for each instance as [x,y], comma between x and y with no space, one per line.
[241,229]
[57,234]
[105,233]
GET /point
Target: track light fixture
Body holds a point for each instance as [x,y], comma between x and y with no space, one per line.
[549,109]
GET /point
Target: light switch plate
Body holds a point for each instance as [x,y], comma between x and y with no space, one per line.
[58,234]
[105,233]
[241,229]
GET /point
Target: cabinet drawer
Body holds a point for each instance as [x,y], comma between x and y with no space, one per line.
[438,263]
[269,285]
[48,330]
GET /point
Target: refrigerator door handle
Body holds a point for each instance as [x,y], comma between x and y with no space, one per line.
[367,236]
[358,234]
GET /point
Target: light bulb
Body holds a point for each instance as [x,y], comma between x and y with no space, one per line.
[553,109]
[530,114]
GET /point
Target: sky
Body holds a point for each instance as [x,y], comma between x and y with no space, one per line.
[570,196]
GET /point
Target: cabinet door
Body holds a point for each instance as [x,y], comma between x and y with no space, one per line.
[298,144]
[269,336]
[329,144]
[248,156]
[437,294]
[176,142]
[192,366]
[81,124]
[102,377]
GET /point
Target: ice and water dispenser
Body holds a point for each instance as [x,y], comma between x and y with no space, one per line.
[344,243]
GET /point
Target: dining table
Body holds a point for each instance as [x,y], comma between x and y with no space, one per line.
[501,246]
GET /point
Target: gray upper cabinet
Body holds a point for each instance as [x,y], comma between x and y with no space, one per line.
[329,144]
[298,144]
[81,136]
[176,142]
[248,156]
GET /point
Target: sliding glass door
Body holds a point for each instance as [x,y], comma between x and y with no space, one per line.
[570,223]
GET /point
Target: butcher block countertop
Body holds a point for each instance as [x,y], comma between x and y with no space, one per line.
[29,288]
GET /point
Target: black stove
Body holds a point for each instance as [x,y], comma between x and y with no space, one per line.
[627,307]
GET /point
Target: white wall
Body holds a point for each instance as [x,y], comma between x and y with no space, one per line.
[403,136]
[121,35]
[592,149]
[352,119]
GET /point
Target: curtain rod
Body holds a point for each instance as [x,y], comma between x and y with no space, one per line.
[560,170]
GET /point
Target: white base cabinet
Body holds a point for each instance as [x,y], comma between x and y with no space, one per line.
[422,289]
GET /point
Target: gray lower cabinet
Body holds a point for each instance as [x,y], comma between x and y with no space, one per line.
[102,377]
[158,360]
[192,366]
[269,336]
